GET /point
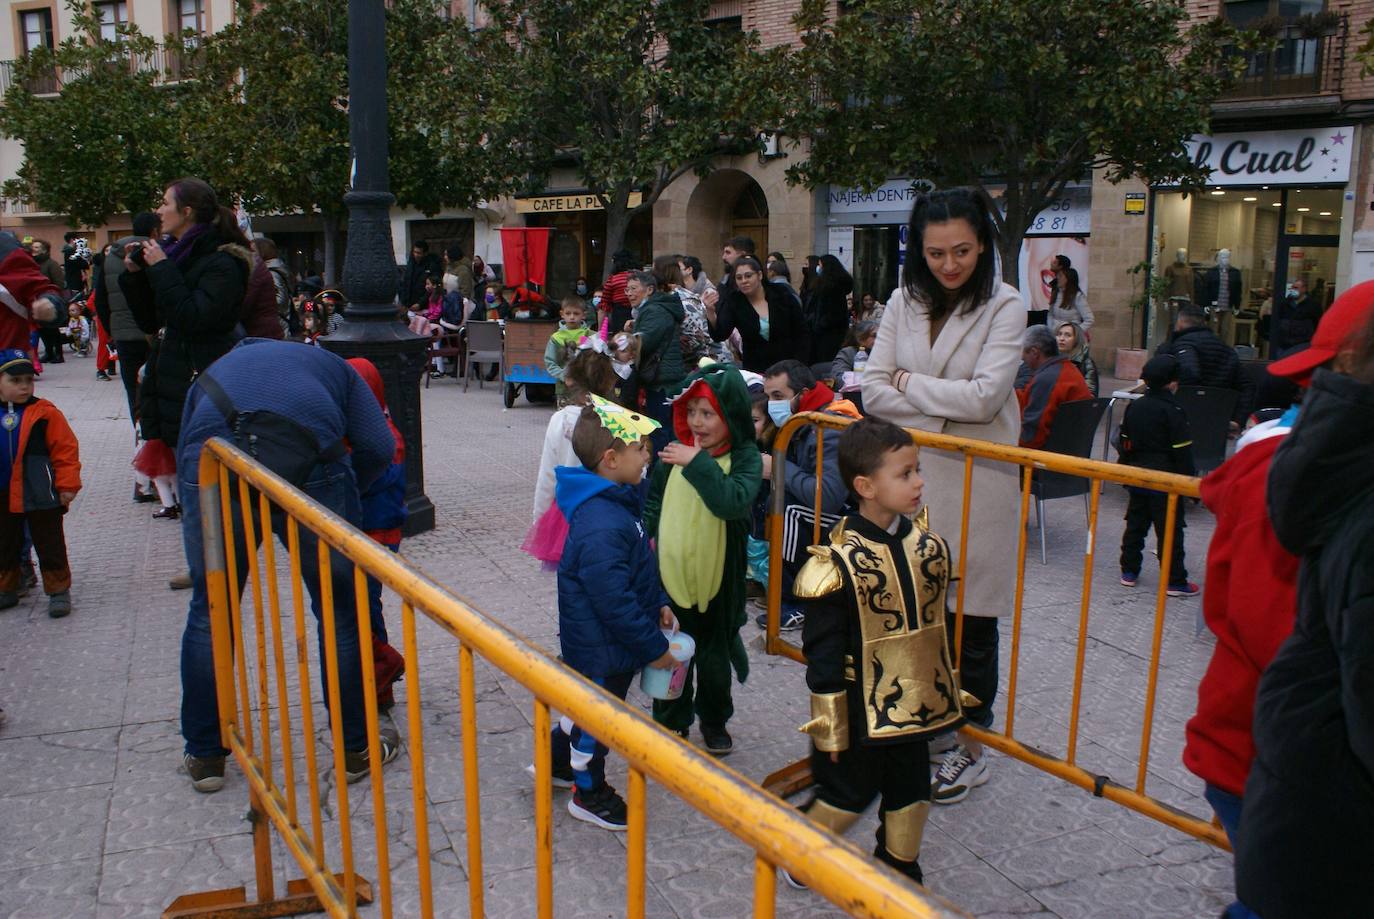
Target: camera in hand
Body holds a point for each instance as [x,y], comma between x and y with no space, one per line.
[135,254]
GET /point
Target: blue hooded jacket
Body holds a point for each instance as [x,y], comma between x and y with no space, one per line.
[609,594]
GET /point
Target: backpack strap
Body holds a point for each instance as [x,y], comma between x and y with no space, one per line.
[219,397]
[331,454]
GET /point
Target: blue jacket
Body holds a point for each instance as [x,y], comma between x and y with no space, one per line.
[609,594]
[384,501]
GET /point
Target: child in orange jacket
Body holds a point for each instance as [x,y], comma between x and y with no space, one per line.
[40,459]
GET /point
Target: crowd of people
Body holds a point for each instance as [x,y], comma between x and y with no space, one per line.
[657,474]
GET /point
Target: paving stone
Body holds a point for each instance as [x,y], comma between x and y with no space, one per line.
[65,889]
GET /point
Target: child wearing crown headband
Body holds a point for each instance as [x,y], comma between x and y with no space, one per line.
[700,505]
[611,607]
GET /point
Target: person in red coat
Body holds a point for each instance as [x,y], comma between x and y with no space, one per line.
[1053,381]
[1250,601]
[27,294]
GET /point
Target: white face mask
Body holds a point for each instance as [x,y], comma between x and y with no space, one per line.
[779,410]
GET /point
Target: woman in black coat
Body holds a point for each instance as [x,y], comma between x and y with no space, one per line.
[1304,845]
[190,294]
[827,309]
[768,318]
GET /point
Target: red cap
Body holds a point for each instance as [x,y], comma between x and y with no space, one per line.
[1346,316]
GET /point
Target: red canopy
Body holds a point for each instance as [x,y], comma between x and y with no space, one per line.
[526,254]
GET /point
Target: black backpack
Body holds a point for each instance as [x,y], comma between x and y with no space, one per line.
[283,445]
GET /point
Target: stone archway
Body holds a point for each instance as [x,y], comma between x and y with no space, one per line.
[728,202]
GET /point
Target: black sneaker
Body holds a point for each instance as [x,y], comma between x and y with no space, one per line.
[562,776]
[206,772]
[356,766]
[789,620]
[601,806]
[9,599]
[102,376]
[717,739]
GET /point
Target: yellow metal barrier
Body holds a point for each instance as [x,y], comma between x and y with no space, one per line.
[1066,767]
[235,489]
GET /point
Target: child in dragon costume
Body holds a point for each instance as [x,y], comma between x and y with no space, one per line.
[699,508]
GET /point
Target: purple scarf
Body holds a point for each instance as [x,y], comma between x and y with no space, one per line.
[179,250]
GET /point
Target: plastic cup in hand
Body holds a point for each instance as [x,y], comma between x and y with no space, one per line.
[667,684]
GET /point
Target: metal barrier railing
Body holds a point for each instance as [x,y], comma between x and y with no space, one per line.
[1097,473]
[235,490]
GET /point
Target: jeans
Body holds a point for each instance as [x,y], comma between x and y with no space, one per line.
[575,749]
[1227,808]
[332,485]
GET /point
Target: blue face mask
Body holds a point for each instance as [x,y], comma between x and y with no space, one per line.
[596,301]
[779,410]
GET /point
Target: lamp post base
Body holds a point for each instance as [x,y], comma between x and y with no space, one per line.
[400,357]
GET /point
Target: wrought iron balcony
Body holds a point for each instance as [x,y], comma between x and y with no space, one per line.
[1301,63]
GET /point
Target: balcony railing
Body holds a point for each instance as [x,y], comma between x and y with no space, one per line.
[1300,64]
[169,64]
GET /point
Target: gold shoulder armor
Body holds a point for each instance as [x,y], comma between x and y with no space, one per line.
[819,577]
[922,519]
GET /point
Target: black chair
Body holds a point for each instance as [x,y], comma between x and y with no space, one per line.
[1209,410]
[1072,433]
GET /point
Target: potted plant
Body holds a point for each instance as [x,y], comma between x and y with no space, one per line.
[1315,25]
[1130,361]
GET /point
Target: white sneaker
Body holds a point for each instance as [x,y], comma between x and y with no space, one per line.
[940,747]
[958,775]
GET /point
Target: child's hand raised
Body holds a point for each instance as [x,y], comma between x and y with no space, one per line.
[678,454]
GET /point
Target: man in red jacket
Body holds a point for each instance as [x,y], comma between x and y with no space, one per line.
[1054,380]
[1250,600]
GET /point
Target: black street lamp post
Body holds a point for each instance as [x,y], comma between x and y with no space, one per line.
[372,327]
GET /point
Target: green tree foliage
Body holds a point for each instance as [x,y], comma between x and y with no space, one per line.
[271,93]
[111,139]
[1025,94]
[631,94]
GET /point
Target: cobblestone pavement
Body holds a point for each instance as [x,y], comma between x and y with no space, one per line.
[98,821]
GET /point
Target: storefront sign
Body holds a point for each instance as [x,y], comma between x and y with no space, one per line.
[1307,156]
[1069,215]
[896,195]
[1135,202]
[566,204]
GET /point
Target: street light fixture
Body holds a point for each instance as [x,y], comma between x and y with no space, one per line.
[372,326]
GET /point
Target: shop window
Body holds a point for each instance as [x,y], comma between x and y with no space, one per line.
[1272,237]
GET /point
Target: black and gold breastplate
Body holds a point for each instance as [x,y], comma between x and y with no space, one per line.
[903,672]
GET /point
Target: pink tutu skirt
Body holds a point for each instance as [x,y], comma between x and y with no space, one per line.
[546,537]
[155,458]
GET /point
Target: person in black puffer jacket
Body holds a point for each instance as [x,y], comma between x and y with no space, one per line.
[190,295]
[1304,847]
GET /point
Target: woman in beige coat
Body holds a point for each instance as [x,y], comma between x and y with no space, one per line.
[945,360]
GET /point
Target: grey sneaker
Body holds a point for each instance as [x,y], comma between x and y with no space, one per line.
[206,772]
[60,604]
[356,766]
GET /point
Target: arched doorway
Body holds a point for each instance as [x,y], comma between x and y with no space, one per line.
[726,203]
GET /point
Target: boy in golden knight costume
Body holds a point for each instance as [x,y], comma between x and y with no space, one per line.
[878,664]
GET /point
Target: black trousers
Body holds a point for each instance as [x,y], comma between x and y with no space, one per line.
[133,354]
[1146,510]
[52,344]
[898,773]
[977,663]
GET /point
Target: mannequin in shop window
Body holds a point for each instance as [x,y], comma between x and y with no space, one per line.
[1179,276]
[1220,288]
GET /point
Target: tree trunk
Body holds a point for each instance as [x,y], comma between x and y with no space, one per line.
[330,224]
[1009,248]
[617,223]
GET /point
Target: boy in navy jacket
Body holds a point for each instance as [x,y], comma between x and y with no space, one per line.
[611,604]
